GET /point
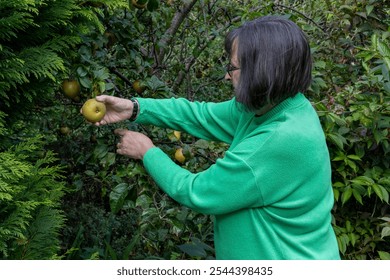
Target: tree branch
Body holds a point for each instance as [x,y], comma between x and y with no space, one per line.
[170,33]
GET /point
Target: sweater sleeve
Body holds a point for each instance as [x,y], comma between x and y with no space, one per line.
[226,186]
[210,121]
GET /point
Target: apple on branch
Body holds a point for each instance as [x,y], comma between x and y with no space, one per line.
[71,88]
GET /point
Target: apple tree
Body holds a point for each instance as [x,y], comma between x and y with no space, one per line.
[174,49]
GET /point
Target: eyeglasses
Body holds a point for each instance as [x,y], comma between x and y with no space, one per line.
[230,68]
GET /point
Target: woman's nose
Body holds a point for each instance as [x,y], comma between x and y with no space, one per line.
[227,76]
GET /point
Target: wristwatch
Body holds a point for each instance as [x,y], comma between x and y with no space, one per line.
[135,109]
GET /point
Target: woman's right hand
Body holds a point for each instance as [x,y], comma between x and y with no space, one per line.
[117,109]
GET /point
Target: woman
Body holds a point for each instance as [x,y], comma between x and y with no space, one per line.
[271,193]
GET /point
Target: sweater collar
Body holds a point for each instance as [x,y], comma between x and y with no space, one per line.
[290,102]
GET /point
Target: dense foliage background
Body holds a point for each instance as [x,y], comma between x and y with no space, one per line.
[65,194]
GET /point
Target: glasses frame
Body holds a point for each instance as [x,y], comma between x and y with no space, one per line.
[230,68]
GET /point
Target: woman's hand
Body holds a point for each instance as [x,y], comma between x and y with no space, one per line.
[133,144]
[117,109]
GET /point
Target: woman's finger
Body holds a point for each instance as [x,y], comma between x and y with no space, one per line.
[120,132]
[102,98]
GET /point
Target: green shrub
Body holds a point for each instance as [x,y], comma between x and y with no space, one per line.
[30,197]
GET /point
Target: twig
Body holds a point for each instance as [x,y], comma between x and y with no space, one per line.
[120,75]
[302,14]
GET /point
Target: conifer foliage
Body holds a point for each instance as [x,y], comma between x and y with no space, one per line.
[38,41]
[33,36]
[30,193]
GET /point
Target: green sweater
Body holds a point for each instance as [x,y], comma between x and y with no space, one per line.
[271,193]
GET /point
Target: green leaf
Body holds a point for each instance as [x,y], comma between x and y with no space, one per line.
[387,62]
[380,192]
[337,119]
[385,232]
[82,71]
[338,185]
[320,64]
[101,74]
[353,238]
[352,164]
[369,9]
[385,194]
[387,219]
[384,255]
[343,241]
[196,248]
[100,151]
[336,194]
[359,188]
[374,41]
[202,144]
[109,159]
[117,197]
[357,196]
[86,82]
[383,49]
[363,181]
[131,245]
[339,157]
[348,226]
[110,251]
[89,173]
[346,195]
[337,139]
[355,157]
[193,250]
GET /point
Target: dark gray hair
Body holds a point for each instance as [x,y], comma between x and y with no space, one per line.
[274,59]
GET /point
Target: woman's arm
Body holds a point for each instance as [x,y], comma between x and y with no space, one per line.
[210,121]
[226,186]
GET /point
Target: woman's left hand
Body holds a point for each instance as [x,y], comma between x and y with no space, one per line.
[133,144]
